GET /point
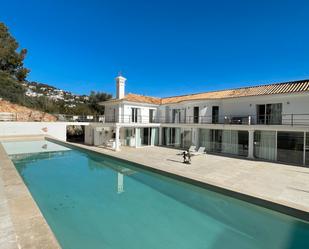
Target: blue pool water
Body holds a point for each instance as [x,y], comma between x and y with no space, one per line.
[93,201]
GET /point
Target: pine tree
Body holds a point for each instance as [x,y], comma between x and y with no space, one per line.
[11,60]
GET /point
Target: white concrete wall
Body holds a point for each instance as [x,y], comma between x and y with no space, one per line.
[205,109]
[54,129]
[96,134]
[88,135]
[144,111]
[109,112]
[102,135]
[291,103]
[123,112]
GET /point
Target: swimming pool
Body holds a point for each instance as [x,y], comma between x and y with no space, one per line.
[95,201]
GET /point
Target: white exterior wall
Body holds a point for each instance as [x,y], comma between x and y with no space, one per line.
[54,129]
[109,112]
[96,134]
[126,110]
[88,135]
[205,109]
[296,104]
[291,103]
[123,112]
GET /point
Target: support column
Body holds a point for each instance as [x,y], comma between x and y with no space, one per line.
[117,141]
[160,135]
[251,144]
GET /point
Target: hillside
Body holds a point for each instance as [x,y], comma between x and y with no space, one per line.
[36,90]
[46,98]
[15,87]
[25,114]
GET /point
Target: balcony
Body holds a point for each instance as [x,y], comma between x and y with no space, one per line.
[129,119]
[272,119]
[282,119]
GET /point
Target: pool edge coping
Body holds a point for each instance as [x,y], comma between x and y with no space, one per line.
[281,207]
[29,224]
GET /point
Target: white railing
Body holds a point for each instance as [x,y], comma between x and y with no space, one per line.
[8,116]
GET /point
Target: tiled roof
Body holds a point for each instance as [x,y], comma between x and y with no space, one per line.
[143,99]
[277,88]
[137,98]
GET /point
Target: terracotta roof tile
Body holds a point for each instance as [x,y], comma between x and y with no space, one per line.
[277,88]
[136,98]
[143,99]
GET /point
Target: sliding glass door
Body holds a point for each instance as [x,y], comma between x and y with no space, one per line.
[290,147]
[205,139]
[171,137]
[265,145]
[196,114]
[135,115]
[176,115]
[269,114]
[230,142]
[146,135]
[224,141]
[215,114]
[187,139]
[149,136]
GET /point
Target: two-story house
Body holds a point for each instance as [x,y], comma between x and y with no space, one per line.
[267,122]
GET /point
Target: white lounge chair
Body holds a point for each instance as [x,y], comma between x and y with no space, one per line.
[110,144]
[192,148]
[200,151]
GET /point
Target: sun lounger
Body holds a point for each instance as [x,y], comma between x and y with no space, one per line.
[200,151]
[192,148]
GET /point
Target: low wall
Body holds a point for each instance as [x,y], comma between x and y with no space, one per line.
[54,129]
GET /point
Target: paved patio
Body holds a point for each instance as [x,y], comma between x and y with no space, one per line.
[278,183]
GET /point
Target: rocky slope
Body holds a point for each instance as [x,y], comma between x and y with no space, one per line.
[25,114]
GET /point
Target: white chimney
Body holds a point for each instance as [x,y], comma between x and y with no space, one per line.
[120,85]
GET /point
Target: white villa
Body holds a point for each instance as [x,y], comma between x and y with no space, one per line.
[265,122]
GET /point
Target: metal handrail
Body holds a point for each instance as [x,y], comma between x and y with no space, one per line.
[291,119]
[8,116]
[268,119]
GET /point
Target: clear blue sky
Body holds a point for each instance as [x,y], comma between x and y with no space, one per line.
[163,47]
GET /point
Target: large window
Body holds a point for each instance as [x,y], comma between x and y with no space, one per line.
[243,143]
[196,114]
[215,114]
[176,115]
[205,139]
[265,145]
[269,114]
[147,136]
[152,115]
[224,141]
[171,137]
[135,115]
[175,137]
[290,147]
[186,139]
